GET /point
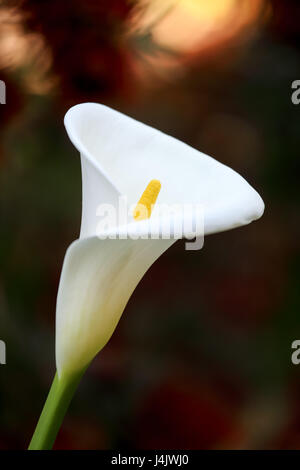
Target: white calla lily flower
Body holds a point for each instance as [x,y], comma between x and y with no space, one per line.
[119,156]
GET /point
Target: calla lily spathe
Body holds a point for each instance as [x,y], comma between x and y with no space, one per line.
[119,156]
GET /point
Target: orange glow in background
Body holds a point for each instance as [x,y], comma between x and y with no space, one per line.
[182,30]
[194,24]
[187,31]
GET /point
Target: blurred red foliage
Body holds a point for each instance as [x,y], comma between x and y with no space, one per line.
[285,19]
[90,54]
[182,414]
[79,433]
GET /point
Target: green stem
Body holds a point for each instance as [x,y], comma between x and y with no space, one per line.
[57,403]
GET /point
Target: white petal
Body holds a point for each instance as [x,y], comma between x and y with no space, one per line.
[98,277]
[125,155]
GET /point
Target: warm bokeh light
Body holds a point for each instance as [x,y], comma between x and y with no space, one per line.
[179,30]
[193,25]
[24,51]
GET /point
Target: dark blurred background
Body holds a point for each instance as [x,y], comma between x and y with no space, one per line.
[205,365]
